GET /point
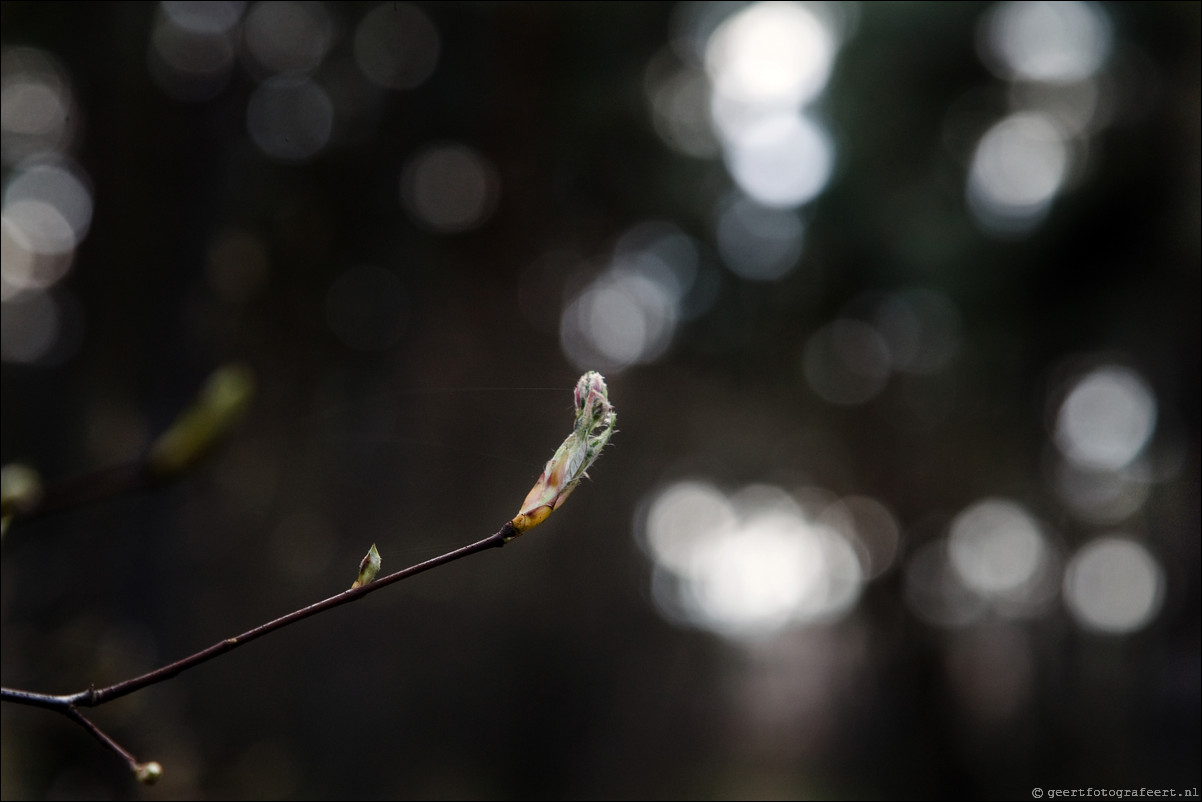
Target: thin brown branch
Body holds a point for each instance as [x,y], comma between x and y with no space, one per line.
[69,704]
[98,696]
[102,736]
[195,432]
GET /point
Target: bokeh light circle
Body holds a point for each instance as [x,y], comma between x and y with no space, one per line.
[1114,585]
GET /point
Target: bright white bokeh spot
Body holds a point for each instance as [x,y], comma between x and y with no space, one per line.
[1055,42]
[680,517]
[45,214]
[751,581]
[781,160]
[620,319]
[39,228]
[756,242]
[290,119]
[1019,166]
[766,62]
[629,313]
[1106,419]
[748,565]
[396,46]
[51,204]
[997,549]
[450,188]
[771,54]
[614,317]
[1113,585]
[846,362]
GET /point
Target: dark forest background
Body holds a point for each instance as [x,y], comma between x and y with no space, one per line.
[418,224]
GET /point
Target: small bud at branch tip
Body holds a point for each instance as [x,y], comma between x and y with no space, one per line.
[148,773]
[595,421]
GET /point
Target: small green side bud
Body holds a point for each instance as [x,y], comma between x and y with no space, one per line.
[20,491]
[369,566]
[220,404]
[148,773]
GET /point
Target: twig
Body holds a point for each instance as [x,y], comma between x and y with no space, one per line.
[147,773]
[69,704]
[94,696]
[197,430]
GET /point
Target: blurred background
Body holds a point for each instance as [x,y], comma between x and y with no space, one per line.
[898,304]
